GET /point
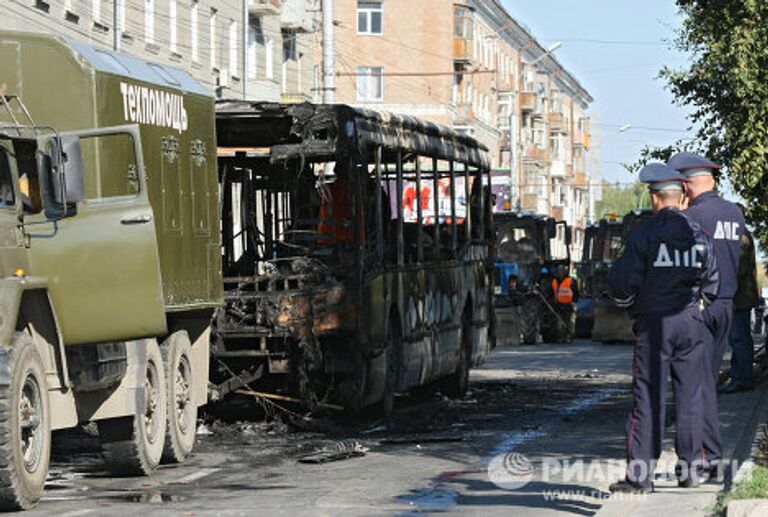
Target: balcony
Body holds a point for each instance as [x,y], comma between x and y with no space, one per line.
[462,50]
[581,179]
[530,202]
[559,169]
[262,7]
[529,101]
[538,154]
[294,98]
[581,138]
[464,115]
[558,123]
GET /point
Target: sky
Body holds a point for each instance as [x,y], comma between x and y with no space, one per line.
[615,49]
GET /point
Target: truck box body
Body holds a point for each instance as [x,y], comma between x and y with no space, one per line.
[71,86]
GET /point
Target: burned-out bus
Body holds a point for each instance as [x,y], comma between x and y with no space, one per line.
[357,254]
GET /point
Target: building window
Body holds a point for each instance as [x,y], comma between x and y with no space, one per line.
[289,54]
[96,10]
[255,38]
[232,58]
[149,21]
[462,22]
[194,42]
[370,83]
[121,15]
[370,18]
[316,97]
[173,34]
[212,38]
[289,47]
[269,58]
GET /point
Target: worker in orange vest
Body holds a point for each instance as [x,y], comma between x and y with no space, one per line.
[565,293]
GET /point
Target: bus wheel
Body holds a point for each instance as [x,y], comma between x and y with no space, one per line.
[133,445]
[457,384]
[182,409]
[393,357]
[25,428]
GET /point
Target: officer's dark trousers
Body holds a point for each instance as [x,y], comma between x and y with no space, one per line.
[743,347]
[718,317]
[666,343]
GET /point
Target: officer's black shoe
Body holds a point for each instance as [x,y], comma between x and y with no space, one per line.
[734,387]
[627,486]
[715,472]
[689,482]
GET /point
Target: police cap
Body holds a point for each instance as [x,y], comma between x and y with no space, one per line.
[691,164]
[660,177]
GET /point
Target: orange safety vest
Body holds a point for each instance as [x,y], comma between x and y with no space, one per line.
[563,293]
[336,215]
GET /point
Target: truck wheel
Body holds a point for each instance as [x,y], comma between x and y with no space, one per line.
[182,409]
[393,357]
[457,384]
[25,426]
[133,445]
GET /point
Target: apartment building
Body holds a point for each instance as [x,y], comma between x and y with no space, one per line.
[253,49]
[470,65]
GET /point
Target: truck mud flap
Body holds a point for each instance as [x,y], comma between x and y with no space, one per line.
[612,324]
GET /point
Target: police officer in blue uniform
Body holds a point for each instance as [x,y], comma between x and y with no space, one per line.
[724,222]
[666,273]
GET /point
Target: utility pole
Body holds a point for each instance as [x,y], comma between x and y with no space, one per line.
[117,11]
[329,54]
[245,49]
[514,174]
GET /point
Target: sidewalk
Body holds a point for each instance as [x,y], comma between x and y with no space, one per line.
[740,415]
[574,456]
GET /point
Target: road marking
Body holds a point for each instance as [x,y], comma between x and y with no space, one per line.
[76,513]
[195,476]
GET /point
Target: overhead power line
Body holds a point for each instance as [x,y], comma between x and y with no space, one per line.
[416,74]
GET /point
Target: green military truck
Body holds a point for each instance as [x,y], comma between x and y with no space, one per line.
[110,263]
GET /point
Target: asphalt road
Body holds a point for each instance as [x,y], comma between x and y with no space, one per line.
[547,402]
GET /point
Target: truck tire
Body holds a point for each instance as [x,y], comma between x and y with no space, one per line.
[25,426]
[530,334]
[393,357]
[133,445]
[182,409]
[457,384]
[529,319]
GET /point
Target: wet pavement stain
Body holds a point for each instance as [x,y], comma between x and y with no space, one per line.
[144,498]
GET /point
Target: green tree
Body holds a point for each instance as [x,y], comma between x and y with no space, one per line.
[726,85]
[619,199]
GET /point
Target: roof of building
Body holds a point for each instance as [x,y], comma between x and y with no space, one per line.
[526,42]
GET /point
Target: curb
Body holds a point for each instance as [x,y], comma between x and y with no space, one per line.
[747,508]
[746,447]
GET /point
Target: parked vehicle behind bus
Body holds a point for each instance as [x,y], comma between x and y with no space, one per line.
[357,254]
[604,244]
[527,244]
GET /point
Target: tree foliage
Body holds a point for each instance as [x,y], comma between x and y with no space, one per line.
[726,85]
[619,200]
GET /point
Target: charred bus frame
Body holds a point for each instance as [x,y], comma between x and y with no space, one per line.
[345,279]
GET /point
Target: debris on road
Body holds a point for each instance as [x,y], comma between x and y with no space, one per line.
[339,451]
[283,398]
[420,439]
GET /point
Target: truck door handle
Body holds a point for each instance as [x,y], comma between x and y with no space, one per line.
[136,219]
